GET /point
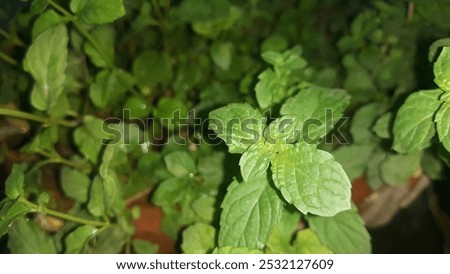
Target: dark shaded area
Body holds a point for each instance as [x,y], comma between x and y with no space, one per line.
[413,230]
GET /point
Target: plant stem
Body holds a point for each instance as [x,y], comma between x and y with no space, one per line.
[64,216]
[16,41]
[37,118]
[8,59]
[57,159]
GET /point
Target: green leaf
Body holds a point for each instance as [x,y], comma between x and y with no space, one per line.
[441,70]
[271,88]
[362,123]
[15,182]
[96,204]
[280,239]
[432,166]
[89,136]
[170,191]
[282,131]
[397,169]
[107,90]
[250,212]
[235,250]
[79,238]
[316,110]
[111,185]
[9,212]
[343,233]
[204,207]
[103,243]
[353,158]
[44,140]
[45,21]
[138,106]
[373,168]
[172,112]
[104,36]
[442,121]
[382,127]
[198,239]
[274,43]
[239,125]
[254,161]
[75,184]
[414,124]
[212,28]
[25,237]
[307,242]
[144,247]
[38,6]
[222,53]
[151,68]
[180,163]
[46,61]
[97,11]
[311,180]
[202,10]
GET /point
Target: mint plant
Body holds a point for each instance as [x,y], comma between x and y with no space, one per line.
[423,116]
[281,165]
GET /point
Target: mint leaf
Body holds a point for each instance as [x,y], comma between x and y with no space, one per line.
[25,237]
[254,161]
[362,122]
[414,124]
[382,127]
[9,212]
[97,11]
[45,21]
[15,182]
[442,120]
[398,169]
[343,233]
[89,136]
[144,247]
[107,90]
[316,110]
[75,184]
[79,238]
[235,250]
[373,168]
[311,180]
[180,163]
[307,242]
[239,125]
[271,88]
[221,54]
[151,68]
[172,112]
[198,239]
[282,131]
[105,34]
[353,166]
[280,239]
[96,204]
[441,70]
[103,243]
[46,61]
[250,212]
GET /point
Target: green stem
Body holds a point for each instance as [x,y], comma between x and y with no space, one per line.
[8,59]
[37,118]
[16,41]
[62,10]
[34,207]
[57,159]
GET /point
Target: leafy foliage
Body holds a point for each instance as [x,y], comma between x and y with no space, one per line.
[108,101]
